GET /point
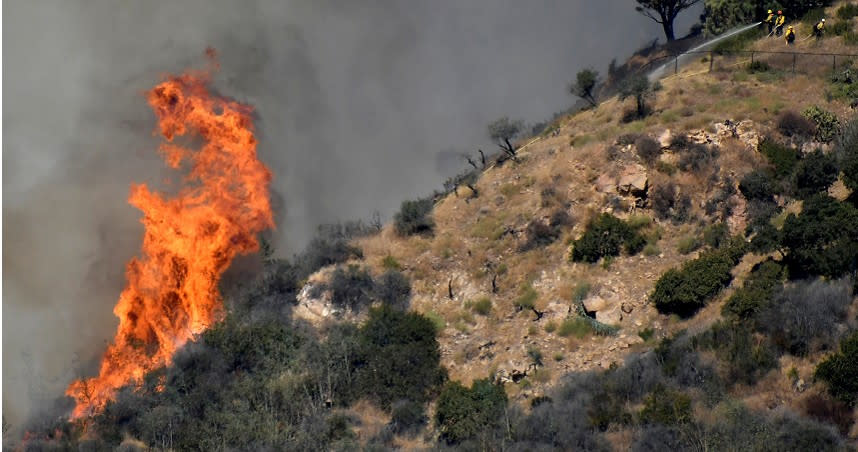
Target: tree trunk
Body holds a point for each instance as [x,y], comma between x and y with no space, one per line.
[667,24]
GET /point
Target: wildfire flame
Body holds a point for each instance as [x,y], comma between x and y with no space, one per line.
[190,238]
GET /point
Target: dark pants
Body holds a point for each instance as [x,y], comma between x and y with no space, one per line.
[771,27]
[779,30]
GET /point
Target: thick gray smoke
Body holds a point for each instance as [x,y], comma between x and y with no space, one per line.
[355,101]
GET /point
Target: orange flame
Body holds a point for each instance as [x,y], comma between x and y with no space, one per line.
[190,238]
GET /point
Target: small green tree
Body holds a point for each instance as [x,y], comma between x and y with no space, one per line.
[664,12]
[414,217]
[463,413]
[584,84]
[638,87]
[840,371]
[847,154]
[503,131]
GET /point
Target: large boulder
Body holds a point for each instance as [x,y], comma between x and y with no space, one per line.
[633,181]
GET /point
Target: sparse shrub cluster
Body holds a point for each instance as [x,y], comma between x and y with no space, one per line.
[802,317]
[648,149]
[745,359]
[605,236]
[783,158]
[669,203]
[539,234]
[414,217]
[685,290]
[353,288]
[827,124]
[846,150]
[697,157]
[756,293]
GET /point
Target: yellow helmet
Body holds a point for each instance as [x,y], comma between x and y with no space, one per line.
[790,27]
[770,11]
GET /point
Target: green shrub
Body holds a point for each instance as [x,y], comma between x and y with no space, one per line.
[666,406]
[688,244]
[815,173]
[646,334]
[822,240]
[841,27]
[716,235]
[756,292]
[464,413]
[847,11]
[414,217]
[399,357]
[758,66]
[647,149]
[605,236]
[527,295]
[394,289]
[757,185]
[575,327]
[483,306]
[746,359]
[840,371]
[783,158]
[390,263]
[437,321]
[351,288]
[827,124]
[685,290]
[407,416]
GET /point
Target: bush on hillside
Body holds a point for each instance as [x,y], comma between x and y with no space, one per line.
[840,371]
[648,149]
[351,288]
[803,317]
[667,407]
[414,217]
[792,124]
[815,173]
[757,185]
[464,413]
[782,158]
[756,293]
[698,157]
[606,235]
[847,153]
[685,290]
[827,124]
[847,11]
[407,416]
[399,357]
[822,239]
[394,289]
[745,359]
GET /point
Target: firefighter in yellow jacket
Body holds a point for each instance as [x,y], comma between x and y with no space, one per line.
[819,29]
[779,23]
[770,21]
[790,36]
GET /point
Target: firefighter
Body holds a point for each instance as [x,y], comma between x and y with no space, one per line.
[770,21]
[819,29]
[790,36]
[779,23]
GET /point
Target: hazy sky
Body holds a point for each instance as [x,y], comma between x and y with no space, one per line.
[355,99]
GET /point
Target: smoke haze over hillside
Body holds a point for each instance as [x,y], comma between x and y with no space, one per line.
[354,102]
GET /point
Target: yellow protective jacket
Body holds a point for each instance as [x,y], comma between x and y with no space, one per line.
[770,18]
[820,26]
[789,36]
[780,21]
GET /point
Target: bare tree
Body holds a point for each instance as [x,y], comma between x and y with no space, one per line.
[664,12]
[502,131]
